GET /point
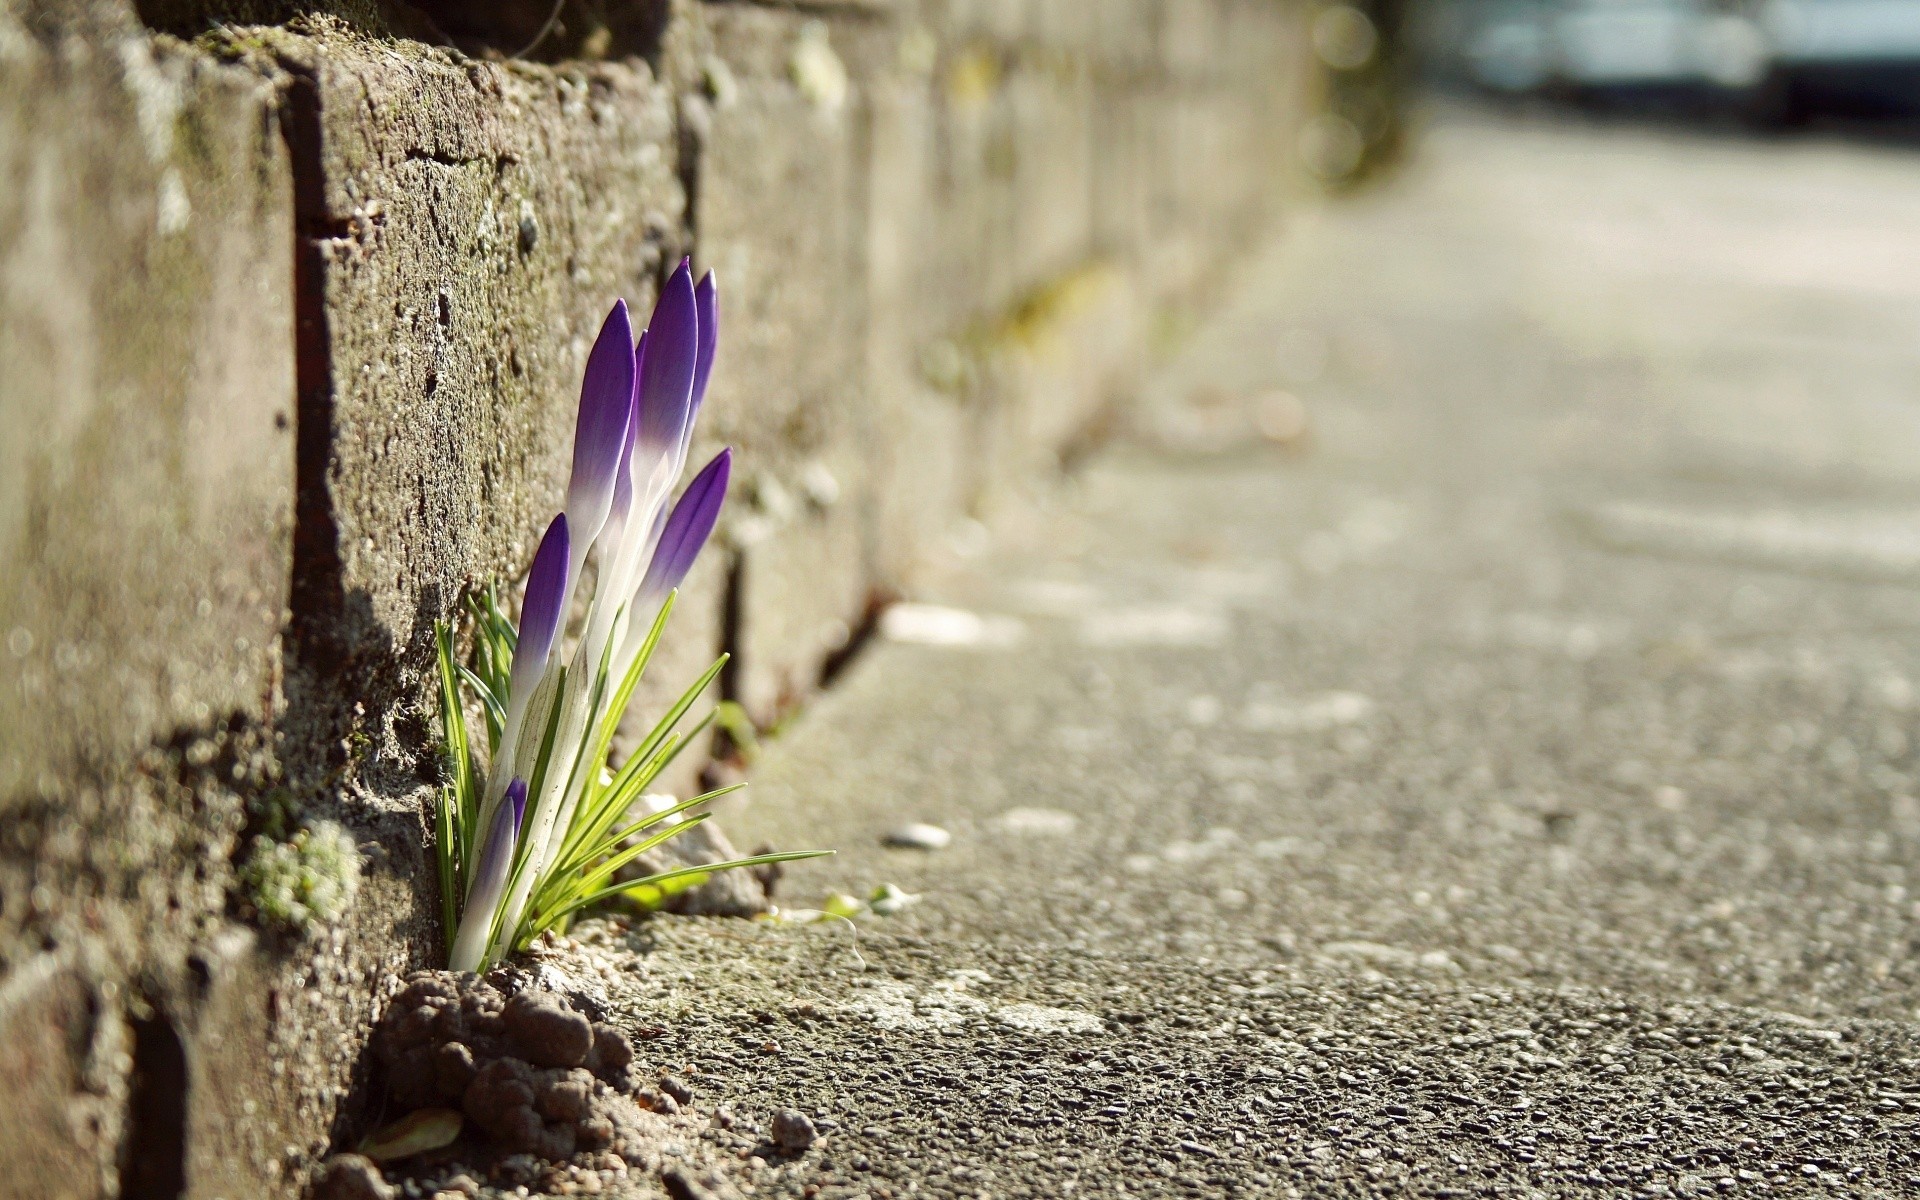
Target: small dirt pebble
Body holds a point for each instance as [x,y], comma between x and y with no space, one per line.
[351,1177]
[792,1132]
[685,1183]
[677,1088]
[654,1101]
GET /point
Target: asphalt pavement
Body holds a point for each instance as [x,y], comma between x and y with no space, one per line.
[1504,783]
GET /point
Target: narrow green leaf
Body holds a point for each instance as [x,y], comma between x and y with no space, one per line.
[492,706]
[452,847]
[592,751]
[446,850]
[679,709]
[615,711]
[563,886]
[536,785]
[609,804]
[668,876]
[606,841]
[612,803]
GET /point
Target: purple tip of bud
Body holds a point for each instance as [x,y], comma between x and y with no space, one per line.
[496,856]
[544,609]
[689,526]
[666,378]
[706,304]
[600,435]
[517,798]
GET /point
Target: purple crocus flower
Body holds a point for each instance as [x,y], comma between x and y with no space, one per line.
[545,608]
[600,433]
[667,375]
[706,304]
[688,528]
[489,882]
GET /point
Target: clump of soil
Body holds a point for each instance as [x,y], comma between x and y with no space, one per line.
[543,1087]
[537,1076]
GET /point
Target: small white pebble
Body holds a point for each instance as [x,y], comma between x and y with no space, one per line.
[936,625]
[918,836]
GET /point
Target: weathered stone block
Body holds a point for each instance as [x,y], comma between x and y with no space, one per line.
[1053,138]
[1070,28]
[146,505]
[997,19]
[65,1085]
[1045,374]
[782,201]
[1190,37]
[937,227]
[975,259]
[146,364]
[466,227]
[915,366]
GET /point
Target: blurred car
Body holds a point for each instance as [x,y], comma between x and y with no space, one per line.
[1615,46]
[1854,55]
[1507,47]
[1627,43]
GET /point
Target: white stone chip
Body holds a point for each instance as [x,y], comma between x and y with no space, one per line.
[937,625]
[917,836]
[1045,821]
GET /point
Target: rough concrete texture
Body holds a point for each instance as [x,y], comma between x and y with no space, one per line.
[148,361]
[781,200]
[460,248]
[460,252]
[146,374]
[1510,794]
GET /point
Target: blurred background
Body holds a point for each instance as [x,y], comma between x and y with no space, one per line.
[1770,64]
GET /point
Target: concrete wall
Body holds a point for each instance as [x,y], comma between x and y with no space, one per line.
[294,300]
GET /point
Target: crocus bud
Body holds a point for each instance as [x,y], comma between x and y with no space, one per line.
[688,527]
[666,377]
[489,882]
[706,305]
[600,433]
[545,609]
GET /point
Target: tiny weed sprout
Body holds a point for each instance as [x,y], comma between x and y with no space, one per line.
[544,829]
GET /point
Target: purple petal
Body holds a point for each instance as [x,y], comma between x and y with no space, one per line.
[666,378]
[706,303]
[496,855]
[689,526]
[600,435]
[544,610]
